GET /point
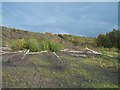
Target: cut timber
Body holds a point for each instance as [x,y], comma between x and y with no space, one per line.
[37,52]
[43,51]
[89,51]
[6,48]
[57,56]
[81,55]
[75,51]
[25,54]
[64,50]
[7,52]
[32,53]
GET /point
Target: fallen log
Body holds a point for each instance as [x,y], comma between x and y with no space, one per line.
[8,52]
[57,56]
[37,52]
[76,51]
[89,51]
[81,55]
[25,54]
[31,53]
[6,48]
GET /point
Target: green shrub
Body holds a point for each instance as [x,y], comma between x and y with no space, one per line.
[44,45]
[50,46]
[53,46]
[35,46]
[109,40]
[32,45]
[18,44]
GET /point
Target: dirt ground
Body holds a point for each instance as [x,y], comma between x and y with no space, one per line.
[45,70]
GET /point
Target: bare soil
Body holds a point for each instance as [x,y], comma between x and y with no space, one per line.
[45,70]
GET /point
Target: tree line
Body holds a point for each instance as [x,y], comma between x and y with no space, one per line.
[109,40]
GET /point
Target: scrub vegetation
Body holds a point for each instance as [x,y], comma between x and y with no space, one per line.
[35,46]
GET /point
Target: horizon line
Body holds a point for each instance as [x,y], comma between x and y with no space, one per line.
[45,32]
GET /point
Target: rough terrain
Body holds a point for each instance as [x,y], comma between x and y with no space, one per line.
[45,70]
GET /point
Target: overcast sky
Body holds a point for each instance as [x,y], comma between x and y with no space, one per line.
[77,18]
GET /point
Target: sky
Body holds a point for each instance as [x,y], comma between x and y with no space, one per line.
[77,18]
[60,0]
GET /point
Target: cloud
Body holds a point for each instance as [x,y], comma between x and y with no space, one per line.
[88,19]
[60,0]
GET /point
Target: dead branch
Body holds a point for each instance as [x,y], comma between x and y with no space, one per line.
[57,56]
[25,54]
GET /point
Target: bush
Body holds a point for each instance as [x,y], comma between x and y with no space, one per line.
[32,45]
[55,46]
[18,44]
[109,40]
[44,45]
[35,46]
[51,46]
[100,40]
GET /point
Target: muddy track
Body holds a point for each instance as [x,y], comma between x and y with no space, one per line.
[15,59]
[58,63]
[33,66]
[37,75]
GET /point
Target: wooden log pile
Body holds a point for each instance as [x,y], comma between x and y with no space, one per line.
[85,53]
